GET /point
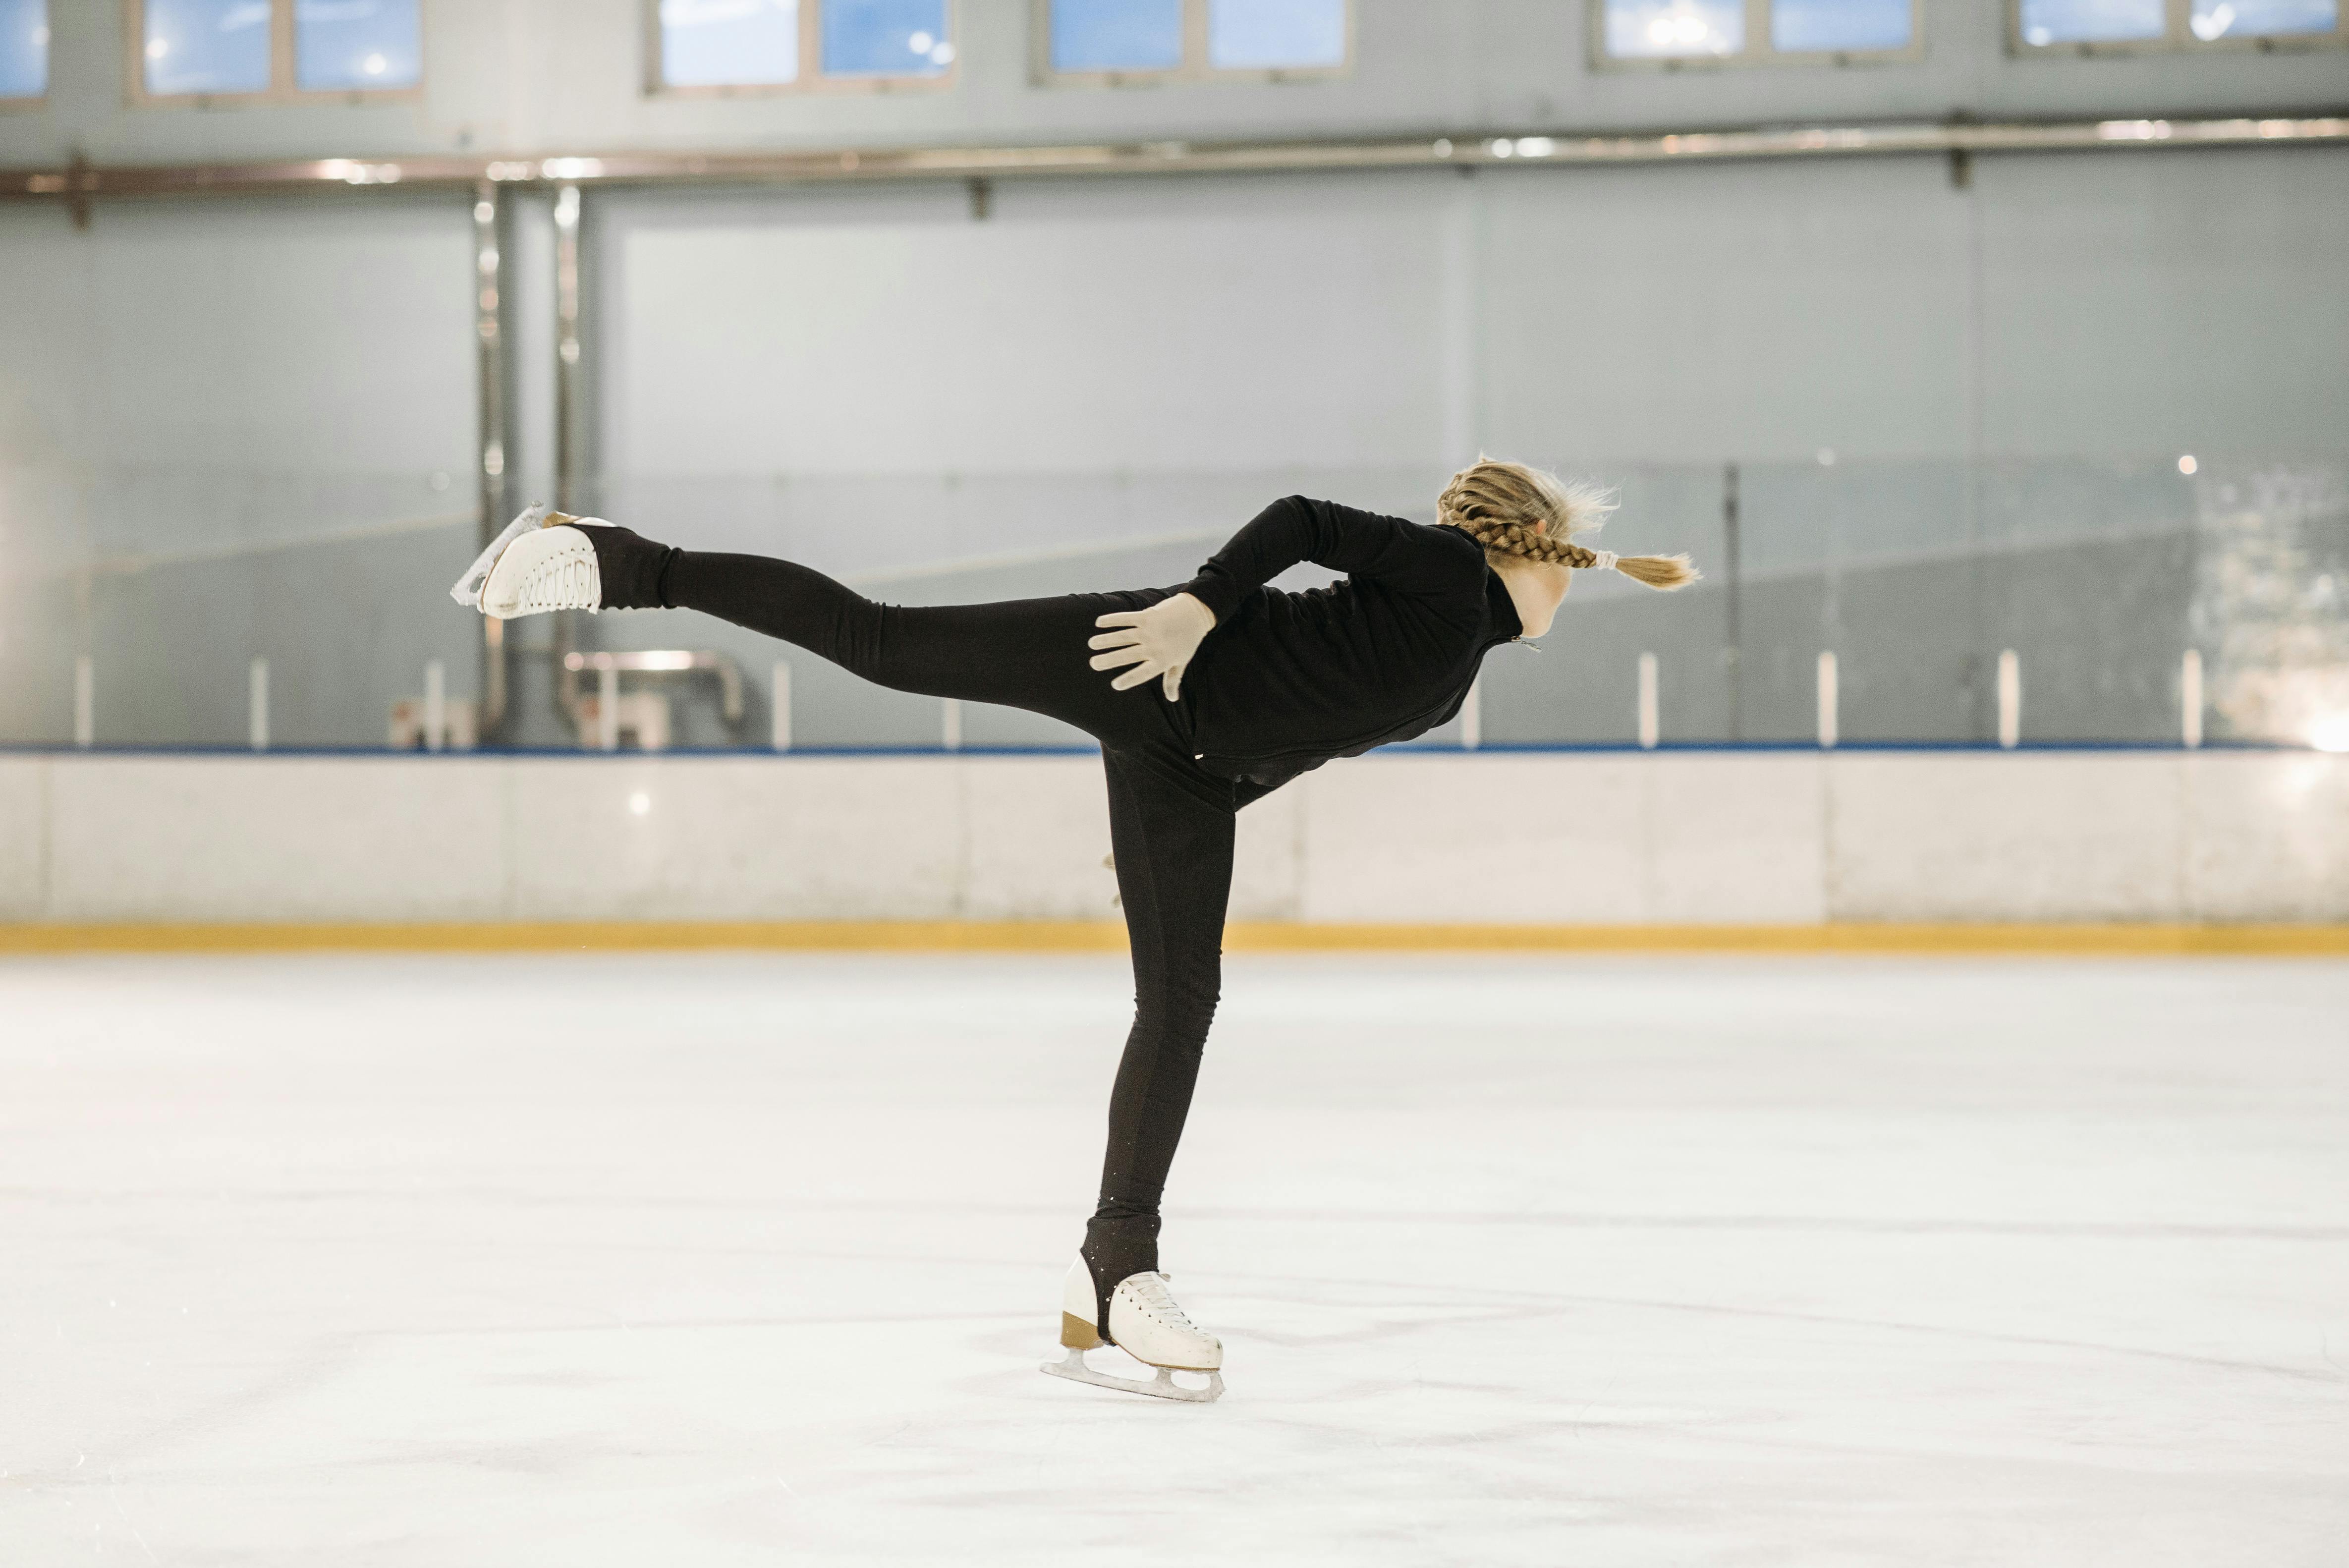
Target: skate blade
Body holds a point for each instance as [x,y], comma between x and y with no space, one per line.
[468,590]
[1161,1387]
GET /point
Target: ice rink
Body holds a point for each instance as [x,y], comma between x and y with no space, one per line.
[747,1259]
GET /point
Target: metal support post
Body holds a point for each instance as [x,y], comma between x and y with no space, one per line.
[490,396]
[256,705]
[567,415]
[2010,699]
[436,705]
[1650,715]
[2190,699]
[1830,699]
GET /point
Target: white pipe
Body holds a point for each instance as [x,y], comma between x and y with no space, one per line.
[782,705]
[436,705]
[85,702]
[2190,699]
[1830,699]
[1472,716]
[2010,699]
[950,724]
[1651,724]
[607,709]
[256,704]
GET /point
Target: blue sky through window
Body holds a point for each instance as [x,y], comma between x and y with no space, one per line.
[2048,22]
[1663,29]
[729,43]
[356,43]
[2215,19]
[24,48]
[1117,35]
[1276,34]
[207,47]
[1820,27]
[886,39]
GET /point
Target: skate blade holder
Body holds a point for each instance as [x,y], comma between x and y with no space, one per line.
[468,590]
[1161,1387]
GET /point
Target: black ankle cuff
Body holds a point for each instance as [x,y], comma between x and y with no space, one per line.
[1117,1246]
[630,568]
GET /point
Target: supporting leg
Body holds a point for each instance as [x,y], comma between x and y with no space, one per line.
[1172,830]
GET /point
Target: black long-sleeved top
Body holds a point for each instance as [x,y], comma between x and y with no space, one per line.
[1287,681]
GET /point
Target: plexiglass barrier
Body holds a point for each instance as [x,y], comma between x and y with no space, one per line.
[2160,602]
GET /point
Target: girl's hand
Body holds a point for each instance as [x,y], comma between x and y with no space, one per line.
[1158,641]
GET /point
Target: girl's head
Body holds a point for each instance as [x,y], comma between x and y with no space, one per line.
[1523,515]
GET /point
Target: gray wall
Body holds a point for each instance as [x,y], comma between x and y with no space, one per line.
[1079,389]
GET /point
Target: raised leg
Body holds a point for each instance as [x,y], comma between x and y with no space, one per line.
[1022,652]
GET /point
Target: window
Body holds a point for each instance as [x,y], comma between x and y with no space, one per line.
[736,46]
[886,39]
[275,49]
[1276,34]
[1671,34]
[1841,27]
[351,45]
[24,48]
[1117,42]
[2121,26]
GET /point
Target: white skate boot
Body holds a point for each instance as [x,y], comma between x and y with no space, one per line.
[1145,1322]
[541,563]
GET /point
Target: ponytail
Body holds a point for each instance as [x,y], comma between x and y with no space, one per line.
[1512,509]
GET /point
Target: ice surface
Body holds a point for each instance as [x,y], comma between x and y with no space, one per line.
[718,1260]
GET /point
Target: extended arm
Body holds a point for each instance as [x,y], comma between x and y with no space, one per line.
[1294,528]
[1158,643]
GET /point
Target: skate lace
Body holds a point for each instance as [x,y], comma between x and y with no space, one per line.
[1160,1302]
[560,584]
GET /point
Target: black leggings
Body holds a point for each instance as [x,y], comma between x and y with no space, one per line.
[1170,822]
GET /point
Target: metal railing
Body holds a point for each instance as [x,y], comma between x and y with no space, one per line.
[79,184]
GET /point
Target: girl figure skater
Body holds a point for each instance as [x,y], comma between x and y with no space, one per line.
[1254,686]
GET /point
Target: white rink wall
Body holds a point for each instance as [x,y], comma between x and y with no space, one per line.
[1603,838]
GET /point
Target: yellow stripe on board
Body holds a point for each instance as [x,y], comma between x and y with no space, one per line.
[1088,937]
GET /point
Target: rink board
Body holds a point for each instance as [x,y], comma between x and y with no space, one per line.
[1718,848]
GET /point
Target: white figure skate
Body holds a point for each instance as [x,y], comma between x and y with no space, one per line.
[541,563]
[1145,1322]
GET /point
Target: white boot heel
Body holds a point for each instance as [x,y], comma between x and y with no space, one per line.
[1146,1323]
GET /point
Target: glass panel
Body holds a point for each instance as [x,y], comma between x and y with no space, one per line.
[1816,26]
[1654,29]
[886,39]
[207,47]
[1916,573]
[1117,35]
[2213,19]
[2048,22]
[24,48]
[729,43]
[1276,34]
[356,43]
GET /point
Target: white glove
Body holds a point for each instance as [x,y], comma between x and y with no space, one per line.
[1158,641]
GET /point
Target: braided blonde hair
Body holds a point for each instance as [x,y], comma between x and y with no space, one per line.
[1511,508]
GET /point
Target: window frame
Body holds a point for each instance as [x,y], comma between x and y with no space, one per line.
[1195,69]
[811,77]
[1758,50]
[2176,38]
[281,89]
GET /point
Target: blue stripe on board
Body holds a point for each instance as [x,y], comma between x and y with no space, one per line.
[1505,748]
